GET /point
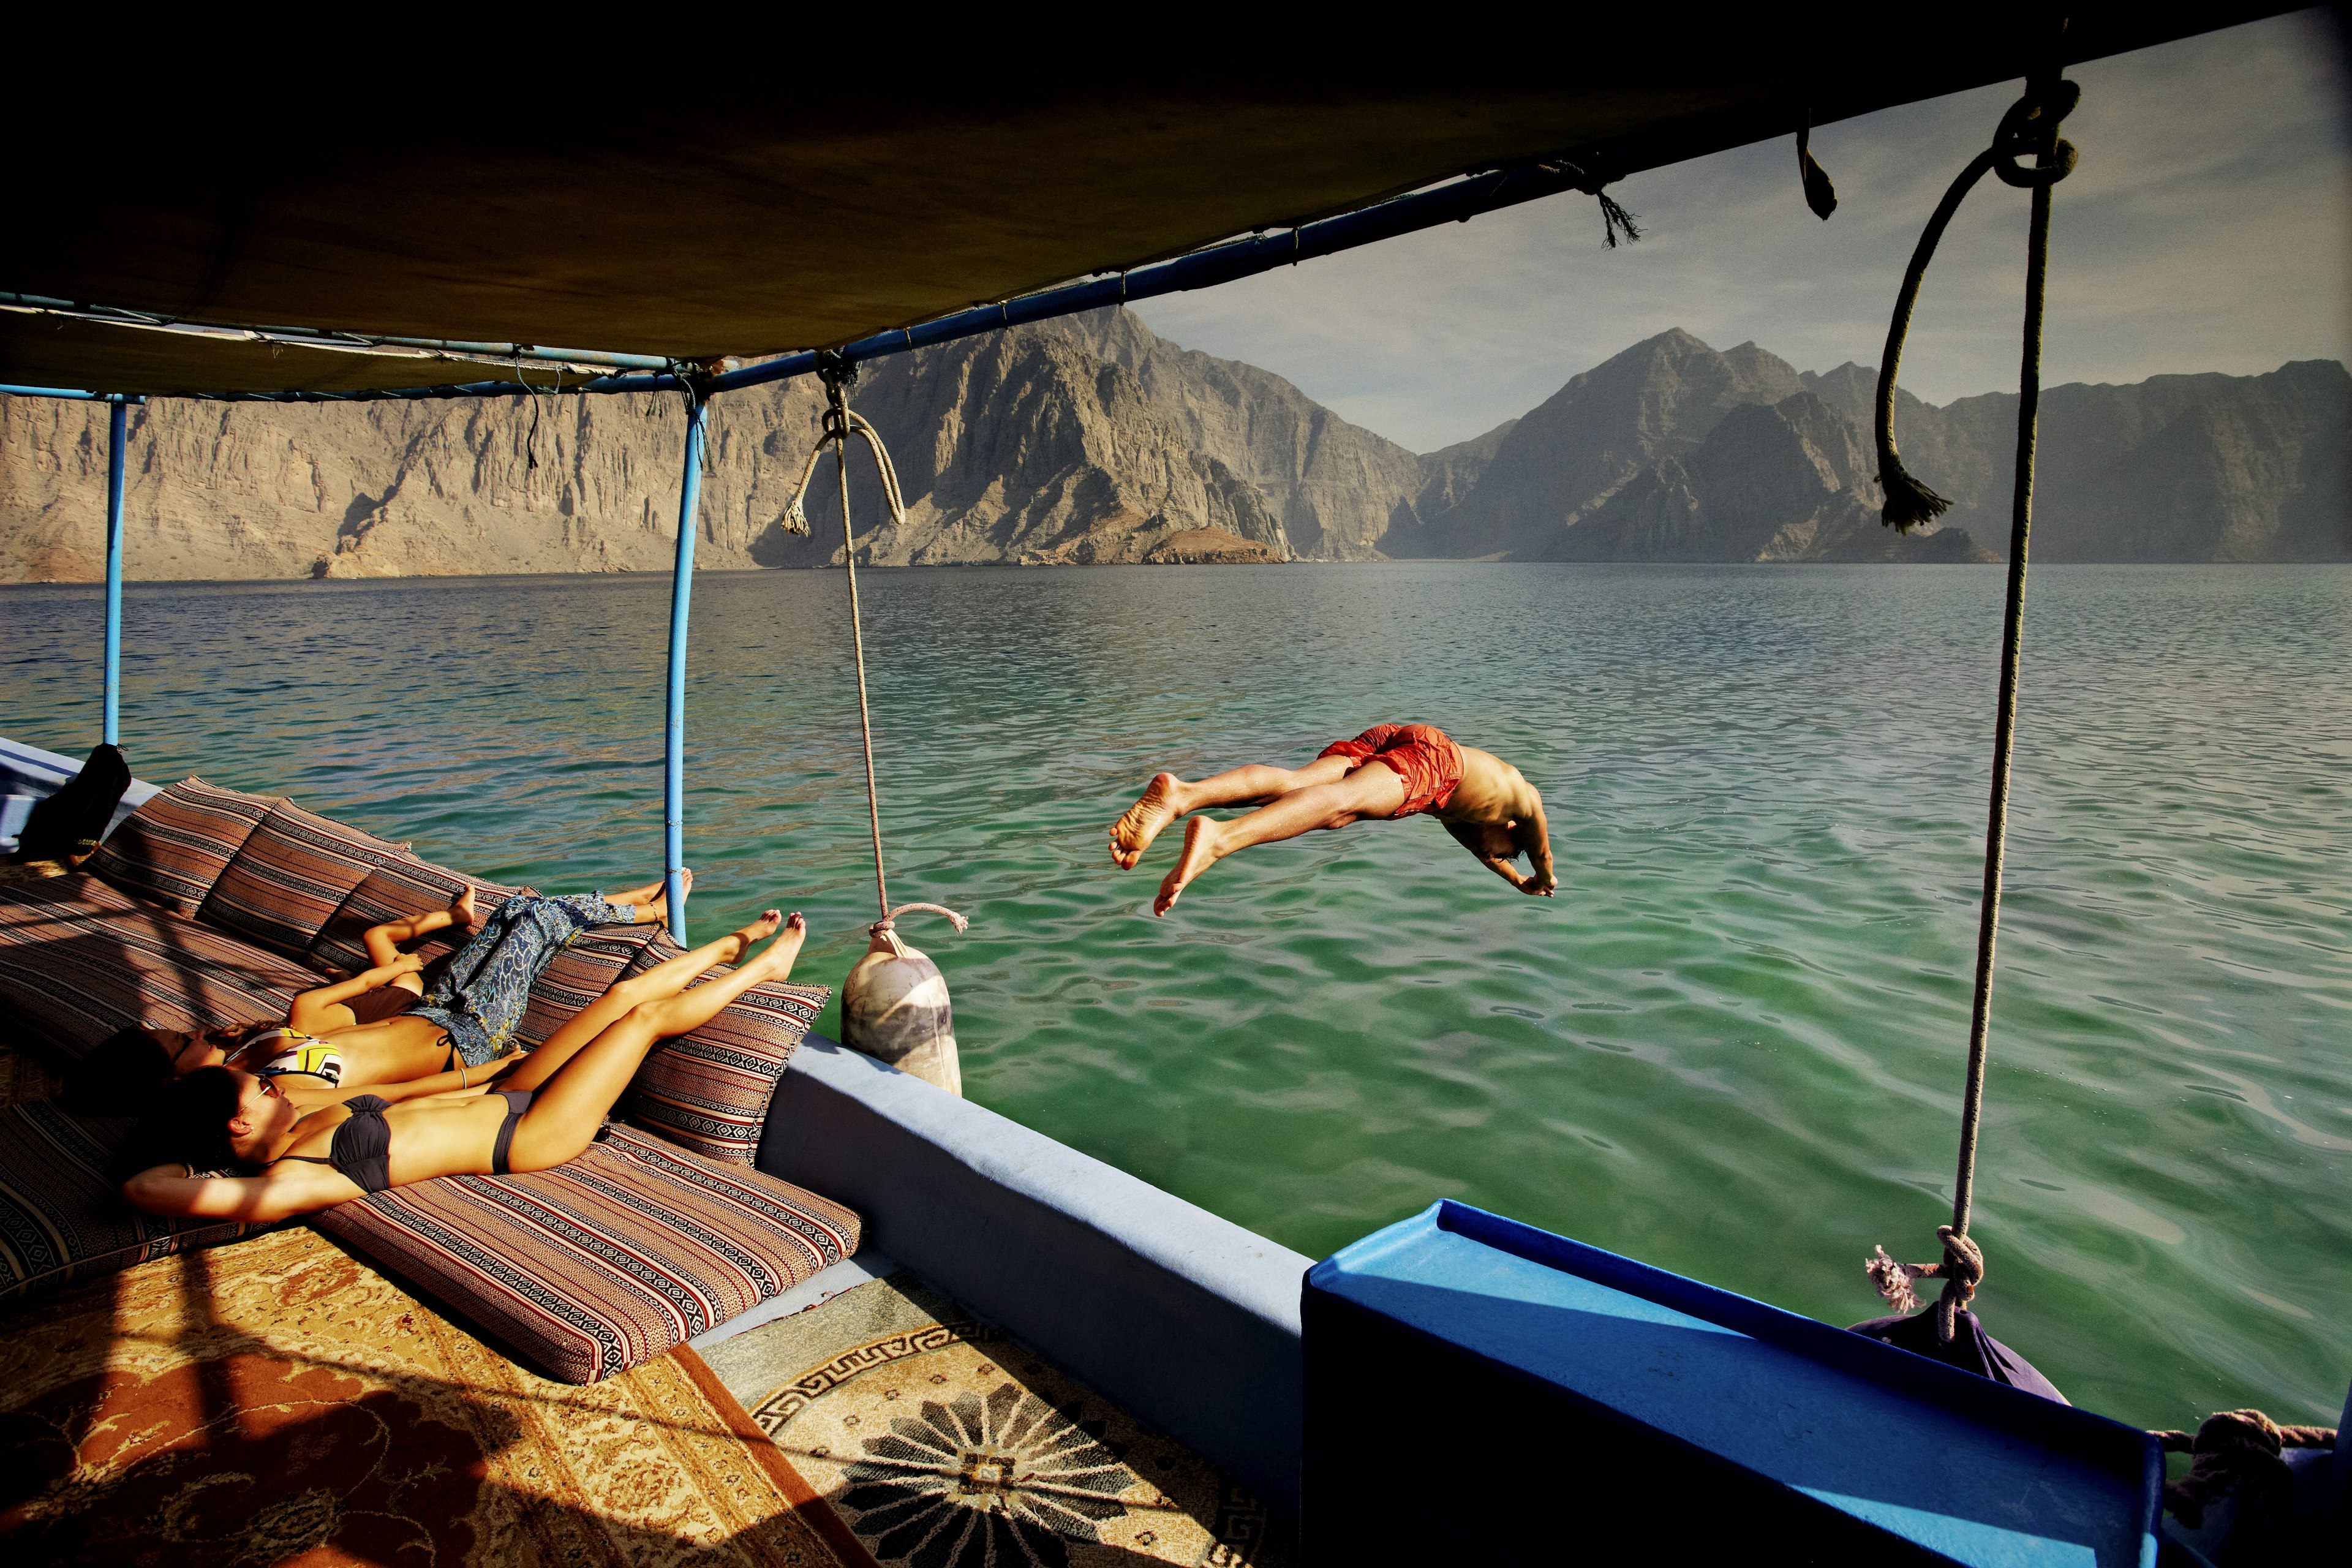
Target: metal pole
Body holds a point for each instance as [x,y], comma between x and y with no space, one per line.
[119,427]
[681,596]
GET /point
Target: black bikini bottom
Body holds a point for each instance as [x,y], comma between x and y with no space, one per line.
[518,1101]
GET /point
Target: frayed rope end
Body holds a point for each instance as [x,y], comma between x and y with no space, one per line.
[1893,1281]
[794,520]
[1909,503]
[1613,217]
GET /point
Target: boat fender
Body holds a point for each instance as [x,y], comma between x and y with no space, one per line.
[894,1005]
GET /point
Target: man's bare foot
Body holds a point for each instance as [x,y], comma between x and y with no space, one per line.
[1200,853]
[776,961]
[757,930]
[462,913]
[1132,833]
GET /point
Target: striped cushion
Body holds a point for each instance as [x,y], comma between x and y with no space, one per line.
[401,887]
[61,1219]
[609,1260]
[708,1090]
[173,848]
[584,971]
[79,961]
[289,877]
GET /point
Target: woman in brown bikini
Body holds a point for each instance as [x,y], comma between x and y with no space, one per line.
[384,1030]
[547,1110]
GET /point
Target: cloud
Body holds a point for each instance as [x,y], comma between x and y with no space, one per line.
[2208,229]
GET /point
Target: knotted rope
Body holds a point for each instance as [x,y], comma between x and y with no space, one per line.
[840,423]
[2030,126]
[2237,1451]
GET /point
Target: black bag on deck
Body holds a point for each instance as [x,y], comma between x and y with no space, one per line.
[68,825]
[1971,1349]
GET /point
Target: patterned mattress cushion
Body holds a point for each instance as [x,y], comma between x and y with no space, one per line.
[61,1219]
[606,1262]
[708,1092]
[401,887]
[79,961]
[289,877]
[173,848]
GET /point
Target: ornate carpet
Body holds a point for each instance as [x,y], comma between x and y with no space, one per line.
[943,1443]
[278,1401]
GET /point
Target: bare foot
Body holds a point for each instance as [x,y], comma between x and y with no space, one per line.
[776,962]
[1132,833]
[757,930]
[1200,853]
[462,913]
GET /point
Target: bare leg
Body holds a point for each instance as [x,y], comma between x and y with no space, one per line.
[1168,797]
[664,980]
[1369,791]
[564,1118]
[651,893]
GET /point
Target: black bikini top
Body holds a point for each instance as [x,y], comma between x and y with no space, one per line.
[362,1146]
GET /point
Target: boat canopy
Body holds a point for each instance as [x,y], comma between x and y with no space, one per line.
[423,254]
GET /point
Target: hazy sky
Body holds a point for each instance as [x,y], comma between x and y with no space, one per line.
[2208,226]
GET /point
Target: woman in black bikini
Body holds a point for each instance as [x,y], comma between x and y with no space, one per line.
[546,1111]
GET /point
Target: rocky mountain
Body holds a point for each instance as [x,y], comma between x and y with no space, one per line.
[1781,481]
[2176,467]
[1091,439]
[1665,452]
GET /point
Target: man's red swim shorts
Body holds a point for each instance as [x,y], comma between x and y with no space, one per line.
[1422,755]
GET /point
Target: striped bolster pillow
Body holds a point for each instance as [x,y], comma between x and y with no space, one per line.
[289,877]
[174,848]
[708,1092]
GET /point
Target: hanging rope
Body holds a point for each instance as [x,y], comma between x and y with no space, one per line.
[840,423]
[2030,126]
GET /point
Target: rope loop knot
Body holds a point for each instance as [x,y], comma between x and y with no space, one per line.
[1962,1271]
[890,918]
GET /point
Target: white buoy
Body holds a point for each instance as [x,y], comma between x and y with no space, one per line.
[894,1007]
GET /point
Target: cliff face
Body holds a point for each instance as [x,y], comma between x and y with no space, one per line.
[1090,440]
[1069,442]
[2176,467]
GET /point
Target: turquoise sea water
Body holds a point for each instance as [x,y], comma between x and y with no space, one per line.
[1731,1047]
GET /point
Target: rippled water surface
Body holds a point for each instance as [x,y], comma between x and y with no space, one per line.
[1731,1047]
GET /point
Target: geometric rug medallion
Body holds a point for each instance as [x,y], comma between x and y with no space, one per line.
[947,1444]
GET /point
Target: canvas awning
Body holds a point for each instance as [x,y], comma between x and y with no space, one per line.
[815,217]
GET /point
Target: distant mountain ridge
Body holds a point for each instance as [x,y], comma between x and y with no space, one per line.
[1091,439]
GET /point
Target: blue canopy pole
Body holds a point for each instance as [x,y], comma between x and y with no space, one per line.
[119,427]
[681,596]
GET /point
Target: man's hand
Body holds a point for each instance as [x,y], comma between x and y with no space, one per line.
[1538,886]
[406,963]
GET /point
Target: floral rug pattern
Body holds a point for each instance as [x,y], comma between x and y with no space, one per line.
[278,1402]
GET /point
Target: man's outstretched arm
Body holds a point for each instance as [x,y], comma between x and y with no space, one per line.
[1534,837]
[1474,841]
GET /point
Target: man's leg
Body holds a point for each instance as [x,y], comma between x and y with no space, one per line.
[1167,798]
[564,1119]
[664,980]
[1373,790]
